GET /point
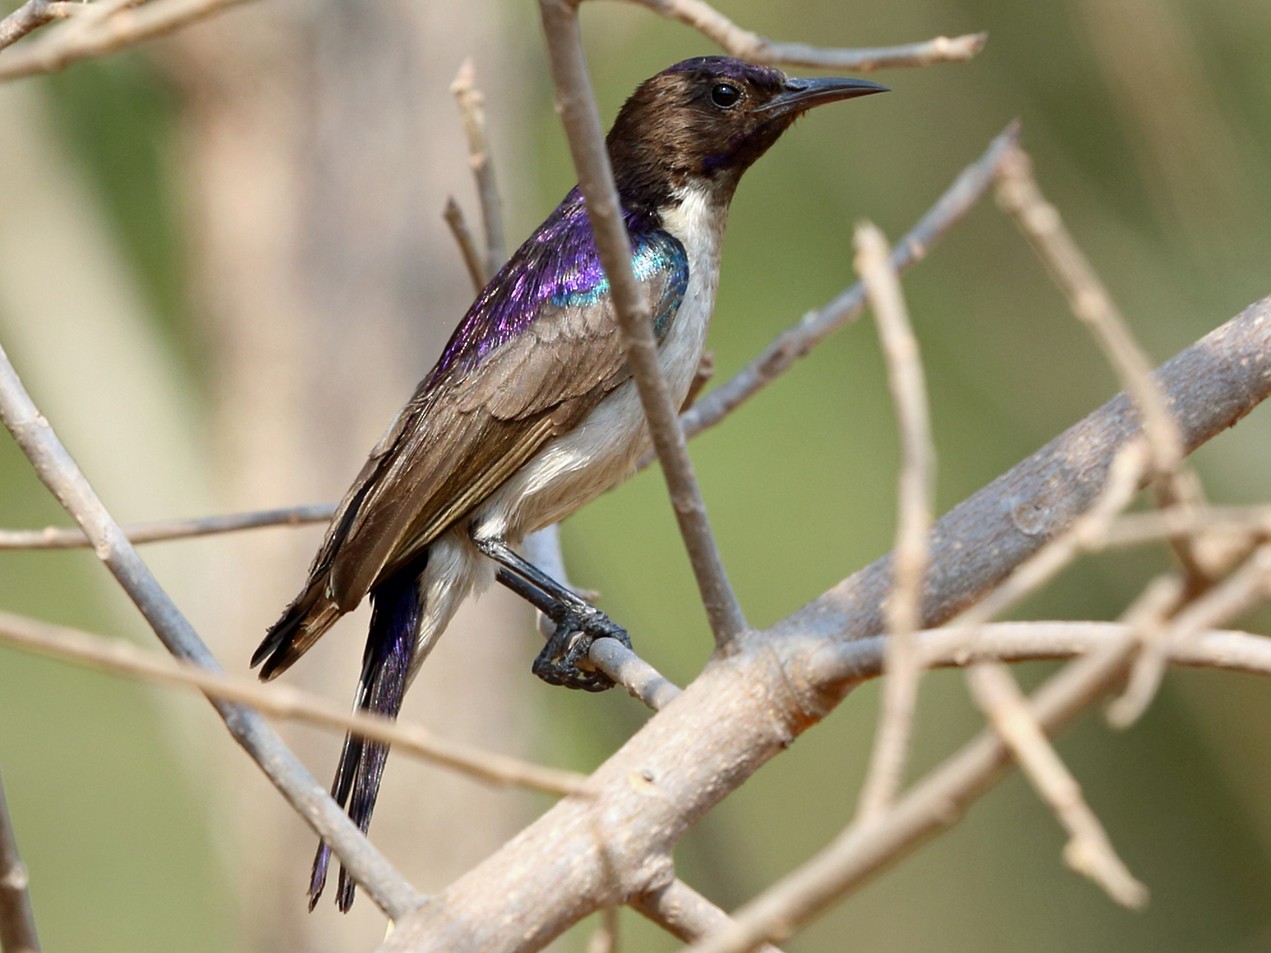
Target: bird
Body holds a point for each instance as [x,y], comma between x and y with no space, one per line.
[531,410]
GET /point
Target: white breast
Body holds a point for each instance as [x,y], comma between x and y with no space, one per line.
[602,450]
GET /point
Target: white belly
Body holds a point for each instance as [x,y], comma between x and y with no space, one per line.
[602,450]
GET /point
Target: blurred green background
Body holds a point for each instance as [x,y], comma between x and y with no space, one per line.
[1150,123]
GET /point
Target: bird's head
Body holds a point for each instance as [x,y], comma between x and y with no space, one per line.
[703,122]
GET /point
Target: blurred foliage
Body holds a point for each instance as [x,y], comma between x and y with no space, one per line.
[800,482]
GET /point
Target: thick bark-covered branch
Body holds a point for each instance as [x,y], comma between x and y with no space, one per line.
[751,701]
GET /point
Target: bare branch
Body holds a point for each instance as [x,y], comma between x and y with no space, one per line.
[1134,529]
[52,537]
[958,646]
[467,247]
[914,513]
[60,474]
[816,326]
[1210,386]
[684,913]
[119,24]
[281,701]
[749,703]
[471,107]
[1019,193]
[1238,592]
[758,49]
[641,680]
[30,17]
[1088,851]
[935,803]
[581,119]
[17,922]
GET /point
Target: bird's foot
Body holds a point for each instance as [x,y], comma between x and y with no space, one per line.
[577,627]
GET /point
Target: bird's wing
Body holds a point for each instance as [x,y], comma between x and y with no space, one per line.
[466,434]
[470,425]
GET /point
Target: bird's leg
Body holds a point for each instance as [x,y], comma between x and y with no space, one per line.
[578,623]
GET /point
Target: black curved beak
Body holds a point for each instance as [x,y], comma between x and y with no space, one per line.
[802,94]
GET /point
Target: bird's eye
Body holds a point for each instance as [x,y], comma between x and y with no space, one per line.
[725,95]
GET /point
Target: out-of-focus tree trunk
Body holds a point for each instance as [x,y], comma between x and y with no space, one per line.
[320,143]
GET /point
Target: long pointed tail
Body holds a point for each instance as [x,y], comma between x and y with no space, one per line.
[390,645]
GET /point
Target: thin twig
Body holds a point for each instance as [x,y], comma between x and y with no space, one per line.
[1248,524]
[959,646]
[64,479]
[915,502]
[56,537]
[746,45]
[641,680]
[280,701]
[25,19]
[1235,594]
[605,937]
[467,247]
[471,108]
[627,669]
[816,326]
[595,178]
[126,27]
[684,913]
[17,921]
[1019,194]
[1089,851]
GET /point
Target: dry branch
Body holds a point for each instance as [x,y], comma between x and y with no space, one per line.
[746,45]
[64,479]
[684,913]
[471,108]
[31,16]
[56,537]
[915,502]
[467,247]
[1089,299]
[581,118]
[816,326]
[958,646]
[107,26]
[748,704]
[281,701]
[1089,851]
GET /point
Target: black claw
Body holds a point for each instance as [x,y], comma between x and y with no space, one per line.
[576,629]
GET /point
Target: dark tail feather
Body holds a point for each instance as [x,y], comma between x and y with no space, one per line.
[397,611]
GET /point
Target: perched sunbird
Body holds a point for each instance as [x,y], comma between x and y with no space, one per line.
[531,411]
